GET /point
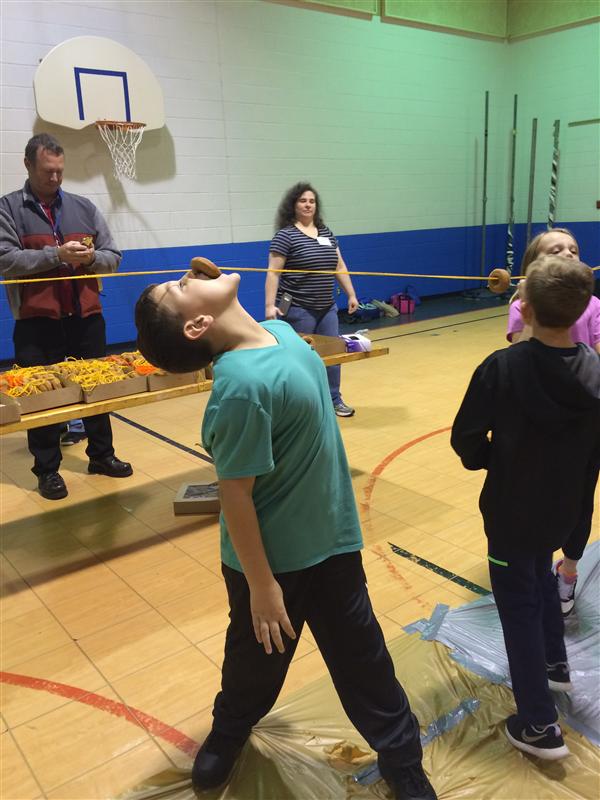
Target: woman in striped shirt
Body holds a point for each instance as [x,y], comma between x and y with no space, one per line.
[303,242]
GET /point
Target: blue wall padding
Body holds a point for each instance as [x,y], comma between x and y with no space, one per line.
[438,251]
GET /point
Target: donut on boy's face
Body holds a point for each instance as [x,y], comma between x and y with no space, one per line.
[203,268]
[189,298]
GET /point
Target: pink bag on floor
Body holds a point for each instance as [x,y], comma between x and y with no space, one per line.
[403,303]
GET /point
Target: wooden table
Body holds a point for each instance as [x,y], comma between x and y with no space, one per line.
[79,410]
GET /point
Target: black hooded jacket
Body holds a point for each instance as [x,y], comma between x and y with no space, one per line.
[542,407]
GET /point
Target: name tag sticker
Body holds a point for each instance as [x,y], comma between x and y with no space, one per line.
[324,241]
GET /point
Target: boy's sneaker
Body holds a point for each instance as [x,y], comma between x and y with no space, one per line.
[342,410]
[215,760]
[559,679]
[543,741]
[72,437]
[566,590]
[407,783]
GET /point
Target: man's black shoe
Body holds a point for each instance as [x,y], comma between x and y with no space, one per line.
[111,466]
[407,783]
[215,760]
[52,486]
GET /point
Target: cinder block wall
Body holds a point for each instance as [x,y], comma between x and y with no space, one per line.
[385,120]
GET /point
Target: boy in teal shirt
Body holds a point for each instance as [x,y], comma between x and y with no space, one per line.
[290,535]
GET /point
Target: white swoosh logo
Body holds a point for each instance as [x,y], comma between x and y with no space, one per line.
[527,738]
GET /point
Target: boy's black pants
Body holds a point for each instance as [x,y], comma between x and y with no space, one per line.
[529,608]
[332,598]
[40,340]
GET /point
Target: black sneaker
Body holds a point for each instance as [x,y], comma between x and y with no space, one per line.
[559,678]
[215,760]
[407,783]
[72,437]
[52,486]
[543,741]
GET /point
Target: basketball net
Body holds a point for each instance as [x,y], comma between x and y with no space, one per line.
[122,139]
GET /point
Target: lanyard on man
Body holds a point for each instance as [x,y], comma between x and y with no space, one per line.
[53,213]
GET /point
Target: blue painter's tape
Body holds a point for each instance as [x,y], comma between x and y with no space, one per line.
[439,726]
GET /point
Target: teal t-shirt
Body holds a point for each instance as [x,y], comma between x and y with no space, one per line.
[270,416]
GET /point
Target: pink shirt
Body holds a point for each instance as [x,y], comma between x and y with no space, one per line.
[586,329]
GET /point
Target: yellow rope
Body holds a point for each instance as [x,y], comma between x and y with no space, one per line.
[247,269]
[257,269]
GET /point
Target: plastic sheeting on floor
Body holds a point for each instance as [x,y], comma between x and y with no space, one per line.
[474,635]
[286,759]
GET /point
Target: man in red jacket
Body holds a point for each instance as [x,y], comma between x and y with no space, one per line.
[46,232]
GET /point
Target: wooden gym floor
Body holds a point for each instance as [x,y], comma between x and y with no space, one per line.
[114,610]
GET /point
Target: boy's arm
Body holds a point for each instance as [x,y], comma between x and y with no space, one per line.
[269,615]
[469,437]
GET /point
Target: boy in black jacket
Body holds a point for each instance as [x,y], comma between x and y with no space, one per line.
[540,400]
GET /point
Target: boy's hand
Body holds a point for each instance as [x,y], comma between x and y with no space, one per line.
[269,617]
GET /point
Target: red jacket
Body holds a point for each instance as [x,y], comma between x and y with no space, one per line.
[28,249]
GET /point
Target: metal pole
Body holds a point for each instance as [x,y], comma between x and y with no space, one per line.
[554,177]
[484,191]
[531,177]
[510,239]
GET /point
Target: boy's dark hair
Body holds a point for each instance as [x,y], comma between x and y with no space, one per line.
[558,290]
[161,339]
[46,142]
[286,214]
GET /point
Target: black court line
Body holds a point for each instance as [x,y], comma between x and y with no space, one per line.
[162,438]
[451,576]
[438,328]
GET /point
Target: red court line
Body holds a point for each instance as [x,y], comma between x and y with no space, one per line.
[148,723]
[368,491]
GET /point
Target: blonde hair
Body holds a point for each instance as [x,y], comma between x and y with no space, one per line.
[532,251]
[558,289]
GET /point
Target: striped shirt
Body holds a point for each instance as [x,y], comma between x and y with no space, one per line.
[302,252]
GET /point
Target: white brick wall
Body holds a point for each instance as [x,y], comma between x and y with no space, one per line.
[557,76]
[387,121]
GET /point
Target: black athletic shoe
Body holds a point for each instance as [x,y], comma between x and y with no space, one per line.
[543,741]
[215,760]
[407,783]
[52,486]
[72,437]
[111,466]
[559,678]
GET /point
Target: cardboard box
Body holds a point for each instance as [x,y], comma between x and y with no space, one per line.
[170,379]
[325,345]
[10,411]
[197,498]
[69,394]
[108,391]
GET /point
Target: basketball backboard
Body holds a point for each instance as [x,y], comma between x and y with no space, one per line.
[91,78]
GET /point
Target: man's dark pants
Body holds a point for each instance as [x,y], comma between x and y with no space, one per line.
[332,598]
[39,341]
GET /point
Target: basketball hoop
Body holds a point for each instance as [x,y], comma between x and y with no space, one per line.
[122,139]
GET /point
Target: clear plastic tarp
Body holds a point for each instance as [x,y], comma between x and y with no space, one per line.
[474,635]
[306,749]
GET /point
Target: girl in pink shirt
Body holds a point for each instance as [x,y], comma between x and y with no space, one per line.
[560,241]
